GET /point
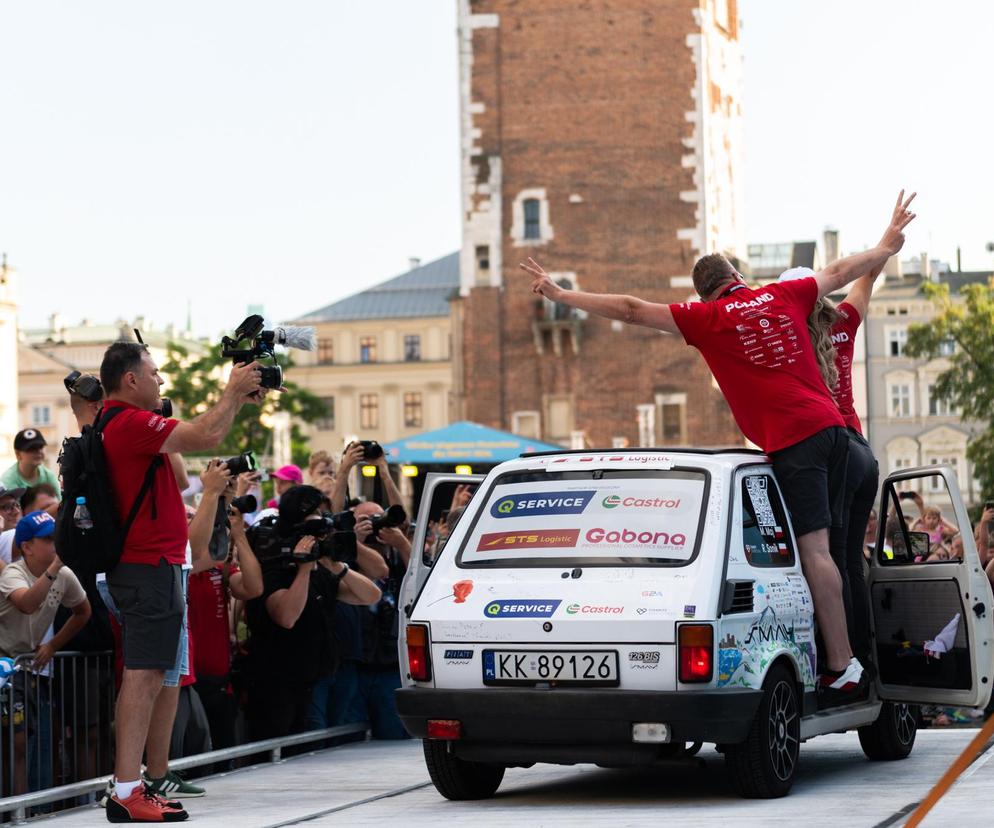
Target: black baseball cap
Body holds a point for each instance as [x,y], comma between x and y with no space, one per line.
[14,493]
[27,439]
[296,504]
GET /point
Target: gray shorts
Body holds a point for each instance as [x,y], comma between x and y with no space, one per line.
[150,602]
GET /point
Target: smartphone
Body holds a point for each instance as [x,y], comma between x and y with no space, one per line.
[989,505]
[263,475]
[906,496]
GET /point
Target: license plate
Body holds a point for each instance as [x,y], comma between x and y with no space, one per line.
[559,667]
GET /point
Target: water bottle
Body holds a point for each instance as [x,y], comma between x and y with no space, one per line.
[81,517]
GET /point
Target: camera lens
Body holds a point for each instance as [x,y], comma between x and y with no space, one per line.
[271,376]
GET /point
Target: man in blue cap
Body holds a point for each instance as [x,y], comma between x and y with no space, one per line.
[31,590]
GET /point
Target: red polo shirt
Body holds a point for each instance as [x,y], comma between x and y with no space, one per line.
[131,440]
[756,343]
[844,339]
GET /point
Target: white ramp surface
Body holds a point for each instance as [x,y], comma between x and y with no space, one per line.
[386,783]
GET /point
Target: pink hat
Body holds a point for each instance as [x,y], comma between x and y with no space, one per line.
[291,473]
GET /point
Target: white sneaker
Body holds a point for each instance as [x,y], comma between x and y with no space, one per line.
[845,682]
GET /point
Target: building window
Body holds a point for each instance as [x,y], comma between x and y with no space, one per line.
[367,349]
[482,258]
[413,413]
[936,483]
[897,338]
[947,348]
[900,400]
[533,223]
[530,217]
[527,424]
[369,411]
[558,418]
[671,416]
[327,420]
[326,351]
[645,416]
[412,348]
[937,407]
[41,415]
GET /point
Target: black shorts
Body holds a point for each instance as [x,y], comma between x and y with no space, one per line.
[150,601]
[812,476]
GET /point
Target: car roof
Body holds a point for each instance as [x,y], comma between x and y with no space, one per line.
[706,458]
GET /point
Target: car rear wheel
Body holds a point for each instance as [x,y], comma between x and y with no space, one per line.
[764,765]
[455,778]
[892,735]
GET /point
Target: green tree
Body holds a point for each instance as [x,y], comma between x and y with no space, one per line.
[196,384]
[968,383]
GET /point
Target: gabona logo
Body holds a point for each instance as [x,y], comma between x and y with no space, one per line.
[611,501]
[573,609]
[505,507]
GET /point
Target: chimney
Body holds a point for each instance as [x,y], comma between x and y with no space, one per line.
[830,243]
[414,262]
[892,269]
[55,323]
[926,269]
[959,261]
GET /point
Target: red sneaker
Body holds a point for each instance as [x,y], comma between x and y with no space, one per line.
[143,806]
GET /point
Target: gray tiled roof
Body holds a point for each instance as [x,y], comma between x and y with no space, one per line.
[911,285]
[424,291]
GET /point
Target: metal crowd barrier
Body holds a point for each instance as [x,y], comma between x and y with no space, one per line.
[55,727]
[18,805]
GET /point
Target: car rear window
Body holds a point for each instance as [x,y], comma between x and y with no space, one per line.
[637,517]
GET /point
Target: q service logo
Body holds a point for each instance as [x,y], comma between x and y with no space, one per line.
[541,503]
[522,608]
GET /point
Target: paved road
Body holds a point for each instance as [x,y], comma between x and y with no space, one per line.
[387,784]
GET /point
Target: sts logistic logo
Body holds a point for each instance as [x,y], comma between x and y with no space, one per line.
[541,503]
[537,539]
[522,608]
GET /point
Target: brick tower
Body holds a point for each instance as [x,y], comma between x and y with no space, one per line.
[602,137]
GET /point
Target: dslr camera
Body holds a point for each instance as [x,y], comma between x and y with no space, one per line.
[250,342]
[394,516]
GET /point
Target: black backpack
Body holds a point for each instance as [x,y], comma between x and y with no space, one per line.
[84,474]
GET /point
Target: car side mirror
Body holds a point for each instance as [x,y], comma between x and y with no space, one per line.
[919,545]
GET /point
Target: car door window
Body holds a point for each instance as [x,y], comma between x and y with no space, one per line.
[920,525]
[765,539]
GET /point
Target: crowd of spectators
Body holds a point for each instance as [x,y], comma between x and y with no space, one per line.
[268,648]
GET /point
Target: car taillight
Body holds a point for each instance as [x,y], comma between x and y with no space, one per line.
[696,653]
[417,652]
[448,729]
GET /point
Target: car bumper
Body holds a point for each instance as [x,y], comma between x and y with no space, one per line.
[529,716]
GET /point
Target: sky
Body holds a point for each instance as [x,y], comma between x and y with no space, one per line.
[224,153]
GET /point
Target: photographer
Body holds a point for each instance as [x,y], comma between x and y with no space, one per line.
[213,584]
[292,623]
[146,583]
[379,671]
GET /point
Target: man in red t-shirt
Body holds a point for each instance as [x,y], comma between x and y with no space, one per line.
[862,471]
[146,584]
[756,344]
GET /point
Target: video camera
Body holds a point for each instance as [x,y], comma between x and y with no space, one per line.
[334,533]
[262,346]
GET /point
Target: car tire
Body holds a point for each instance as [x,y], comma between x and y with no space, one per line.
[892,735]
[764,765]
[456,778]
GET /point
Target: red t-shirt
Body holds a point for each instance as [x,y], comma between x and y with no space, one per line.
[844,338]
[209,624]
[756,343]
[131,440]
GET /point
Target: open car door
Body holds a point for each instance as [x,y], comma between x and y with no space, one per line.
[929,596]
[438,499]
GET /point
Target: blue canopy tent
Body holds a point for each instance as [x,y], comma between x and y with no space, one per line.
[462,443]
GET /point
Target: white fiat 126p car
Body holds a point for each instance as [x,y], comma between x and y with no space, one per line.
[623,607]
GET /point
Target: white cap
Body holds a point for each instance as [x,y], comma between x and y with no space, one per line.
[795,273]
